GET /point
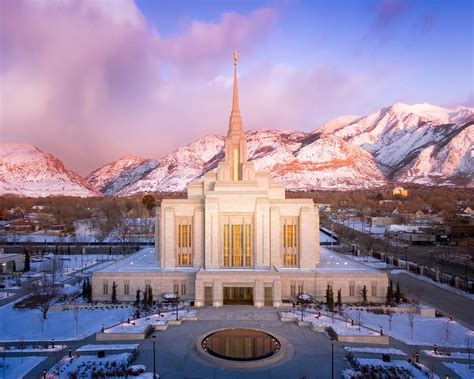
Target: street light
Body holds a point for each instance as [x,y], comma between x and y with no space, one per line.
[333,341]
[154,356]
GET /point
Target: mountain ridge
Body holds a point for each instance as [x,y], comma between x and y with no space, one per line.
[399,144]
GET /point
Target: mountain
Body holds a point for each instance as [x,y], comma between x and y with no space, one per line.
[418,143]
[400,144]
[403,143]
[25,170]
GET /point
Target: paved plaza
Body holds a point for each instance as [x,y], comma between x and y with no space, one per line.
[176,357]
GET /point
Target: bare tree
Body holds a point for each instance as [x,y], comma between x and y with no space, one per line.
[390,318]
[54,267]
[447,329]
[411,322]
[43,295]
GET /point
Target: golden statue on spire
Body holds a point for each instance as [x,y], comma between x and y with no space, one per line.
[236,57]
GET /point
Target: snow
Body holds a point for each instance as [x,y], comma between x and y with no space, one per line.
[374,350]
[448,354]
[33,349]
[415,372]
[140,325]
[85,363]
[426,330]
[59,325]
[461,369]
[330,261]
[142,261]
[119,346]
[18,367]
[25,170]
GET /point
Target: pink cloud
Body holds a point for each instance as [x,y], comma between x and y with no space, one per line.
[83,81]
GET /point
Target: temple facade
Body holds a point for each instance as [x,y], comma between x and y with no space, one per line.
[236,239]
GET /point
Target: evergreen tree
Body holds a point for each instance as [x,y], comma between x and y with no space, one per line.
[149,202]
[389,297]
[363,293]
[145,297]
[137,298]
[84,289]
[339,298]
[89,291]
[150,296]
[26,267]
[114,293]
[398,294]
[329,298]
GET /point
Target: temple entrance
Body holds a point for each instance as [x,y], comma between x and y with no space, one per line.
[238,296]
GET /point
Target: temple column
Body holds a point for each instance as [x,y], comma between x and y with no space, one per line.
[259,294]
[277,293]
[199,294]
[217,293]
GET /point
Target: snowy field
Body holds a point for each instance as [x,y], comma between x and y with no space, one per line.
[362,227]
[426,330]
[71,263]
[410,369]
[18,367]
[339,326]
[84,365]
[60,325]
[461,369]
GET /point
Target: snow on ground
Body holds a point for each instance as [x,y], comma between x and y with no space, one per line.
[84,365]
[71,263]
[33,349]
[426,330]
[419,372]
[339,326]
[106,347]
[323,237]
[59,325]
[362,227]
[374,350]
[18,367]
[141,324]
[6,295]
[461,369]
[448,354]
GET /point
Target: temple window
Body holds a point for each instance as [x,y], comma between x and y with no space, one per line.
[237,245]
[184,251]
[290,242]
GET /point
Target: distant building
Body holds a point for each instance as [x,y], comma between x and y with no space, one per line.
[22,226]
[399,191]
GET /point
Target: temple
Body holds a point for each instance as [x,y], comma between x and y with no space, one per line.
[237,239]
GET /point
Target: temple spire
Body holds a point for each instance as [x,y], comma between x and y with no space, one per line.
[235,122]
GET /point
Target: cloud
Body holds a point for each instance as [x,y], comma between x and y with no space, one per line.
[85,81]
[387,12]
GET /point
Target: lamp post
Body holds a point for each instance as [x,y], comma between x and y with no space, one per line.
[154,356]
[333,341]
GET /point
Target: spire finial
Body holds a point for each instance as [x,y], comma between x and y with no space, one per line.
[236,57]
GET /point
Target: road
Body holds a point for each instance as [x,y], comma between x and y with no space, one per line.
[447,302]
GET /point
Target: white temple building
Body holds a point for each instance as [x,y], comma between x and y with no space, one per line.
[236,239]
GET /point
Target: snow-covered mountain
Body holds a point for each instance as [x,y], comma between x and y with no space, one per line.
[403,143]
[25,170]
[418,143]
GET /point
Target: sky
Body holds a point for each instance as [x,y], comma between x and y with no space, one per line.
[93,80]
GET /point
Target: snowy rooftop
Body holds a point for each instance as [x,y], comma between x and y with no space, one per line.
[142,261]
[145,261]
[333,262]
